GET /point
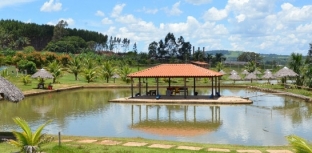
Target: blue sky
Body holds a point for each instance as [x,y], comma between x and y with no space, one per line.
[262,26]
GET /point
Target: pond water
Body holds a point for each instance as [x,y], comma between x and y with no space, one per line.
[87,112]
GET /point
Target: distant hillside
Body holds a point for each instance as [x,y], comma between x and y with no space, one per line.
[232,55]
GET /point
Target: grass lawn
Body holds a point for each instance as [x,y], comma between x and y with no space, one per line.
[95,147]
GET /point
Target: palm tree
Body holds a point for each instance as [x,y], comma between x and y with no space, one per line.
[219,66]
[90,74]
[55,69]
[107,70]
[251,66]
[297,65]
[28,141]
[299,144]
[75,67]
[124,72]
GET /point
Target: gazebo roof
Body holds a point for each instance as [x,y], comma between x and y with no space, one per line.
[175,70]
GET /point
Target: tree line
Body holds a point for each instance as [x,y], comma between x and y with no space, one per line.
[16,34]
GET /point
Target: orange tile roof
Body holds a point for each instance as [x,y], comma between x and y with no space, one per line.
[175,70]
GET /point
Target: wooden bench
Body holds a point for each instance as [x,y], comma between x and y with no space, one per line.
[151,92]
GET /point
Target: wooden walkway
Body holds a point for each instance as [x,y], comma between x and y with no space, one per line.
[179,99]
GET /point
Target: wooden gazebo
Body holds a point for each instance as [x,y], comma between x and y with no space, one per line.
[177,71]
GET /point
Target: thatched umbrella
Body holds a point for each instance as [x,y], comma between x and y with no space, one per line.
[42,73]
[9,91]
[233,71]
[257,72]
[234,76]
[268,75]
[285,72]
[267,71]
[222,72]
[245,72]
[115,76]
[251,76]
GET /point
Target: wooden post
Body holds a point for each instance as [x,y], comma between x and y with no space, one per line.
[59,138]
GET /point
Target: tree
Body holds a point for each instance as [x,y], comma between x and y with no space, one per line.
[299,144]
[59,30]
[55,69]
[107,70]
[22,42]
[249,56]
[296,64]
[309,56]
[251,66]
[198,56]
[135,50]
[124,72]
[152,50]
[219,66]
[75,67]
[28,141]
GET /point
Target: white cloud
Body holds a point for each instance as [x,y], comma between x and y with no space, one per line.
[5,3]
[107,21]
[51,6]
[215,14]
[240,18]
[127,19]
[290,13]
[174,11]
[99,13]
[117,10]
[198,2]
[148,11]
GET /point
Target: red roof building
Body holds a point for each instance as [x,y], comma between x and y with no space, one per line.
[177,71]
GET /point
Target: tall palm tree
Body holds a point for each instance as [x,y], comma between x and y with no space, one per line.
[107,70]
[75,67]
[299,144]
[28,141]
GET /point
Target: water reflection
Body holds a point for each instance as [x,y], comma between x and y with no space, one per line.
[171,125]
[87,112]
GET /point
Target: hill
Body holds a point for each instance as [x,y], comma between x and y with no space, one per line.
[268,58]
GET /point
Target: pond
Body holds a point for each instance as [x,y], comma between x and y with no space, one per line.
[87,112]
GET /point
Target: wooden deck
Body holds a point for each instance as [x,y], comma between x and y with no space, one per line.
[179,99]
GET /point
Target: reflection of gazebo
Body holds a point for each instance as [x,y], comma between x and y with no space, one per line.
[177,71]
[184,126]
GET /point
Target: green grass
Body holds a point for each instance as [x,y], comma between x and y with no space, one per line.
[95,147]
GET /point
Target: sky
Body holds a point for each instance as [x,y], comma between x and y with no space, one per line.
[262,26]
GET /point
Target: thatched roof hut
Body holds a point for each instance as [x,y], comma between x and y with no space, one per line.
[268,75]
[234,76]
[42,73]
[245,72]
[9,91]
[251,76]
[285,72]
[257,72]
[267,71]
[233,71]
[222,72]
